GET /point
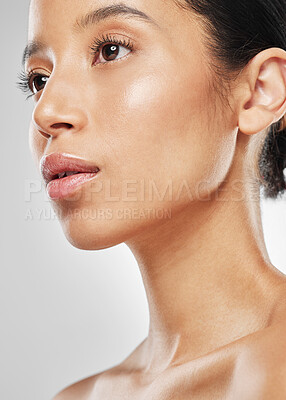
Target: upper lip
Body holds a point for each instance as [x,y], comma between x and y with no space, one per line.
[56,163]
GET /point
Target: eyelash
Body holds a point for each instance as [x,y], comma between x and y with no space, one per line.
[26,79]
[108,39]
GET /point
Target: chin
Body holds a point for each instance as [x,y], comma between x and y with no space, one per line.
[87,232]
[96,234]
[92,234]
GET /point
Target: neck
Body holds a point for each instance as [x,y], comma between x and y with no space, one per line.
[208,279]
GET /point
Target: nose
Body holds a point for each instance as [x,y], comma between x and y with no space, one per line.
[59,112]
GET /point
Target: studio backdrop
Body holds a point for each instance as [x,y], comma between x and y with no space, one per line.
[65,313]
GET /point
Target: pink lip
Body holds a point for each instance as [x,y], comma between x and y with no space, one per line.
[57,163]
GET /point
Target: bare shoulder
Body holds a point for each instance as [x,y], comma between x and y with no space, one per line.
[260,372]
[78,390]
[271,354]
[91,388]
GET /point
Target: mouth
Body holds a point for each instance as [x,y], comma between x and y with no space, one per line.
[63,173]
[66,174]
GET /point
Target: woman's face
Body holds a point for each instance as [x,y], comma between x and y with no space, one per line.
[143,109]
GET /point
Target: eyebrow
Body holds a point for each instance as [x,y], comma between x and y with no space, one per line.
[112,11]
[90,19]
[31,49]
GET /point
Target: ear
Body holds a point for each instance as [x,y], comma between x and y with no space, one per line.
[263,92]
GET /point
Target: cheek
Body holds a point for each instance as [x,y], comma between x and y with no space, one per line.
[161,128]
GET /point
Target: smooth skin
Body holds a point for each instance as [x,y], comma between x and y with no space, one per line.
[217,304]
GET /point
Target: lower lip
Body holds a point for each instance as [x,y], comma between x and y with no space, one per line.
[63,187]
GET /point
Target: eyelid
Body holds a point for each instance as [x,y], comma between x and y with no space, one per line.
[38,71]
[111,38]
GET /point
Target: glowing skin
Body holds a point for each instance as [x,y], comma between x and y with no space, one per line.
[154,115]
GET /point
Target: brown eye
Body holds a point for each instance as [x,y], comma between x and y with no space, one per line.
[110,51]
[38,83]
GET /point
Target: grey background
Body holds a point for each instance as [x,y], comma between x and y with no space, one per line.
[65,313]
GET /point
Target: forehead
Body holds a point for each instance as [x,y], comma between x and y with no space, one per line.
[56,14]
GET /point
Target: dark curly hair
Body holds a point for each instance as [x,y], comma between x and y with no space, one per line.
[237,30]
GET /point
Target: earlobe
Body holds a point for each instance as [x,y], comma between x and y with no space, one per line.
[264,100]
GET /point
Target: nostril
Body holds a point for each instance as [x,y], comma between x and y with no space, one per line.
[62,125]
[46,135]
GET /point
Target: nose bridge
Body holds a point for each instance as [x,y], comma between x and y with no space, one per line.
[60,106]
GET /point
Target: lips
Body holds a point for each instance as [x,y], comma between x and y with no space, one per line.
[57,165]
[63,174]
